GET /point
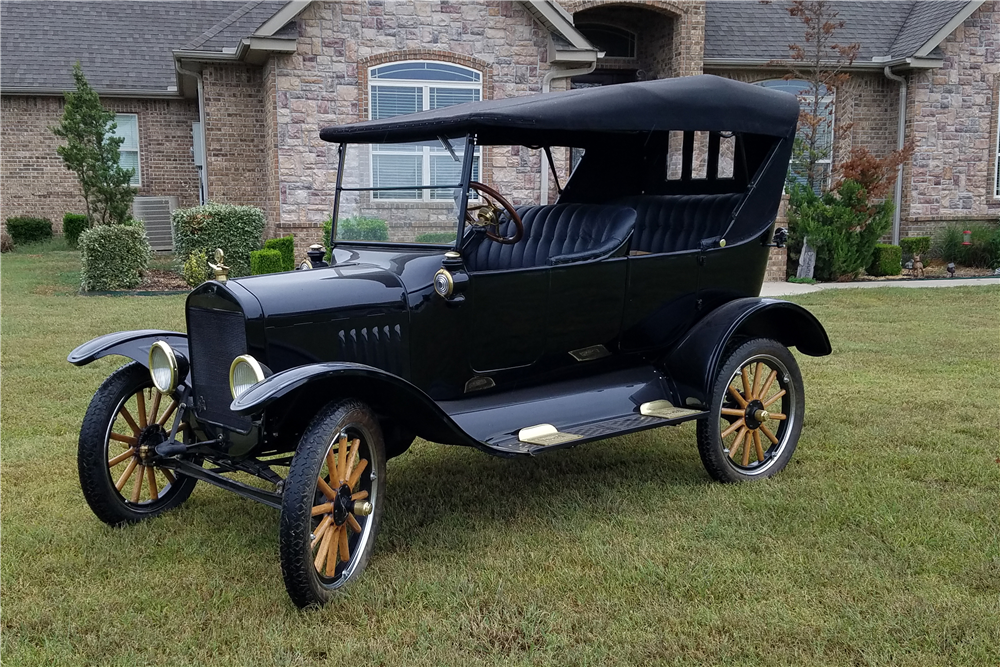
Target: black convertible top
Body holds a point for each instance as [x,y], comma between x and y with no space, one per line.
[584,116]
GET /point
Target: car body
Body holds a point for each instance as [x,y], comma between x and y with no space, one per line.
[615,309]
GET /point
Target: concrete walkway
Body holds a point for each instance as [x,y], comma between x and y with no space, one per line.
[786,289]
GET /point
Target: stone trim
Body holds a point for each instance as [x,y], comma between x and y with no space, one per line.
[471,62]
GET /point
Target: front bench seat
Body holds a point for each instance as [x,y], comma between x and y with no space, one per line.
[672,223]
[554,234]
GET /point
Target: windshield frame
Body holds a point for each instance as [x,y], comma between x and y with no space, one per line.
[466,177]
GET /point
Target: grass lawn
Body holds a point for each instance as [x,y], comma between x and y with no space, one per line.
[878,545]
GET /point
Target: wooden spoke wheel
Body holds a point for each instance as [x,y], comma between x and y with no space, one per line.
[126,419]
[332,502]
[756,413]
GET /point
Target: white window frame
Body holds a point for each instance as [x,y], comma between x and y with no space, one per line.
[996,165]
[425,85]
[827,101]
[136,181]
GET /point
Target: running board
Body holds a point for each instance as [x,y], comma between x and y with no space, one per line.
[564,414]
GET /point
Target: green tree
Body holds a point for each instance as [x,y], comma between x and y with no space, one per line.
[92,151]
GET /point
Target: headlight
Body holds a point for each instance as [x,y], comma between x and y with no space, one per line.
[163,367]
[444,284]
[244,373]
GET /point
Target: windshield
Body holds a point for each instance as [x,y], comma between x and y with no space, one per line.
[403,193]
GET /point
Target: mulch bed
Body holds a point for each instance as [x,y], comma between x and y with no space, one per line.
[935,270]
[157,280]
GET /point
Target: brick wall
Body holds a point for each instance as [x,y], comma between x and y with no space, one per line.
[952,119]
[33,180]
[236,134]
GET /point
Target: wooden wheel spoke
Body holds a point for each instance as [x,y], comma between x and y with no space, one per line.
[355,445]
[125,475]
[169,475]
[738,442]
[345,552]
[127,439]
[737,397]
[326,489]
[154,491]
[140,402]
[745,374]
[746,450]
[342,459]
[166,415]
[735,425]
[325,508]
[360,495]
[331,465]
[769,434]
[127,416]
[331,556]
[320,530]
[137,487]
[733,412]
[121,457]
[767,384]
[324,549]
[757,446]
[757,379]
[774,398]
[353,523]
[155,409]
[362,464]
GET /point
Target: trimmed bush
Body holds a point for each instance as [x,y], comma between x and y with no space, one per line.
[984,251]
[29,230]
[196,268]
[915,245]
[235,229]
[266,261]
[286,246]
[74,224]
[436,237]
[113,256]
[356,228]
[886,260]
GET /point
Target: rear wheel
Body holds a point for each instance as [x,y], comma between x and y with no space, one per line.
[756,413]
[332,502]
[127,414]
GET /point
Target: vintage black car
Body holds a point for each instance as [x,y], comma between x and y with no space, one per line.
[450,313]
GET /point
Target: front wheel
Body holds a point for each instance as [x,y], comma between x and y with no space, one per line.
[332,502]
[756,413]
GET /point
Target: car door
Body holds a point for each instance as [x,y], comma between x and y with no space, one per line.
[509,318]
[586,301]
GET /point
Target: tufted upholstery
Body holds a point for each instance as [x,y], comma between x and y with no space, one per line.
[679,222]
[557,234]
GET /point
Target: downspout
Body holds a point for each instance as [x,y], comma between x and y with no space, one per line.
[547,80]
[201,121]
[900,142]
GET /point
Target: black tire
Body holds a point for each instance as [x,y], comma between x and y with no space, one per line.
[308,577]
[105,418]
[736,401]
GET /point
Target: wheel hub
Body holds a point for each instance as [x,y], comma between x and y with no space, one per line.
[755,414]
[342,505]
[149,438]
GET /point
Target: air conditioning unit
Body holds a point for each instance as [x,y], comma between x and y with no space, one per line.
[155,215]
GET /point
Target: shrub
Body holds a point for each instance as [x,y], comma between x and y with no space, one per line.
[113,256]
[74,224]
[235,229]
[886,260]
[436,237]
[6,242]
[29,230]
[196,268]
[984,251]
[915,245]
[356,228]
[841,225]
[266,261]
[286,246]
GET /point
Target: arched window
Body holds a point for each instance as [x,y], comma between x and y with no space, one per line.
[824,130]
[408,87]
[615,42]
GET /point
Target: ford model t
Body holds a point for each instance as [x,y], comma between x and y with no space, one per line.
[454,309]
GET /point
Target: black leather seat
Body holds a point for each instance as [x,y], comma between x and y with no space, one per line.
[556,234]
[671,223]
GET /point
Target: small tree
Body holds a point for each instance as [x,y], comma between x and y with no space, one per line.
[92,151]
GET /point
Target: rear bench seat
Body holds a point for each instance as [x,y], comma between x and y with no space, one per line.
[672,223]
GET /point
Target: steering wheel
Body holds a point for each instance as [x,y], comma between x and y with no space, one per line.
[488,214]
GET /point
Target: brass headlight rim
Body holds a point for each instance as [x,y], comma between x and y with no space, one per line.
[451,282]
[258,372]
[171,356]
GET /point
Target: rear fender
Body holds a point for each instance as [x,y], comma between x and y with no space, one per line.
[132,344]
[293,397]
[694,362]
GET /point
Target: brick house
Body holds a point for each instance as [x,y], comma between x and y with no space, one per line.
[224,100]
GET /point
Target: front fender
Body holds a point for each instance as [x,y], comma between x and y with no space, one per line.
[305,388]
[132,344]
[694,362]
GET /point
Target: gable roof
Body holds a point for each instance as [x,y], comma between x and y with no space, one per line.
[886,29]
[124,47]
